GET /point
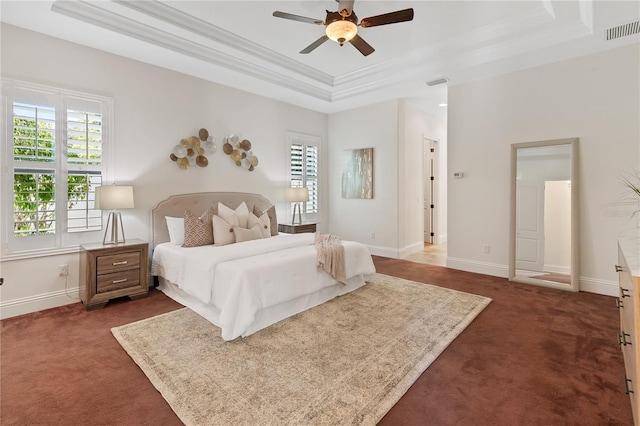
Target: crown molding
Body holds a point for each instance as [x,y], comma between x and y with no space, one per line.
[467,42]
[212,32]
[94,15]
[494,42]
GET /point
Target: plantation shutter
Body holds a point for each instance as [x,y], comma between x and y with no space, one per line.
[311,178]
[84,163]
[55,161]
[305,171]
[34,166]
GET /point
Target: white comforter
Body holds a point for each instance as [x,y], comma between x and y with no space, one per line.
[242,278]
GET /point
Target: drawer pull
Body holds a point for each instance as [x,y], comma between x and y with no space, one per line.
[119,281]
[123,262]
[626,385]
[622,338]
[619,268]
[624,292]
[619,303]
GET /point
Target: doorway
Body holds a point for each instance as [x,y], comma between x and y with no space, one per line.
[435,247]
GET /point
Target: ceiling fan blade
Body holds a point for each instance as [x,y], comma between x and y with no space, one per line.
[364,47]
[299,18]
[345,7]
[388,18]
[315,44]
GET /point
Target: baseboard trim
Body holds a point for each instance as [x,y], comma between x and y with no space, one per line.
[38,302]
[587,284]
[478,267]
[384,251]
[557,269]
[410,249]
[604,287]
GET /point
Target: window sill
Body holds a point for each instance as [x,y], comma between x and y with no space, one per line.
[39,253]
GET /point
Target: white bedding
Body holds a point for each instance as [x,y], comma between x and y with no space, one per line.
[240,280]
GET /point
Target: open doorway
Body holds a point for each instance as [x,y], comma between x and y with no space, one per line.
[435,246]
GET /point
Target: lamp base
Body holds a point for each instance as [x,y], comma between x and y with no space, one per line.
[293,221]
[115,222]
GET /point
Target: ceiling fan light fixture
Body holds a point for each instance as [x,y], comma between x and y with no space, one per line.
[342,31]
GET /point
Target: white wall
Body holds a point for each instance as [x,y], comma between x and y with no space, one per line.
[595,98]
[391,224]
[154,108]
[373,222]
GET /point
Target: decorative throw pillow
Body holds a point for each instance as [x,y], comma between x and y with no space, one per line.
[271,212]
[263,222]
[223,233]
[175,225]
[242,211]
[198,231]
[242,234]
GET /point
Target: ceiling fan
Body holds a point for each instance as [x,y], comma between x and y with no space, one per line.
[342,25]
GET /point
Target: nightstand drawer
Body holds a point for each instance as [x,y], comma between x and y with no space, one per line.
[118,280]
[297,229]
[118,262]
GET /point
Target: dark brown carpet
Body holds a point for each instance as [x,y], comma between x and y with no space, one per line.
[534,356]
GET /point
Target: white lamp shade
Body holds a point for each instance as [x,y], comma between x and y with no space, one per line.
[297,194]
[114,197]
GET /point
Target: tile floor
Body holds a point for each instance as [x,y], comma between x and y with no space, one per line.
[433,254]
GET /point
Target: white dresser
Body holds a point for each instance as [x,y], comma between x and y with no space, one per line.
[629,303]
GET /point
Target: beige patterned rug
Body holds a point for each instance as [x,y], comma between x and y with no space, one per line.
[345,362]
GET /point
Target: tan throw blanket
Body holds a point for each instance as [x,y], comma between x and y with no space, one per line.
[331,256]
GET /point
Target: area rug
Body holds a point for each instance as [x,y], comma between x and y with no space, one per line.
[346,362]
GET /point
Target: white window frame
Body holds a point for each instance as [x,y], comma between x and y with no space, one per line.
[306,141]
[63,100]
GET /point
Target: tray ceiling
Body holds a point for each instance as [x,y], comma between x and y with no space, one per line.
[240,43]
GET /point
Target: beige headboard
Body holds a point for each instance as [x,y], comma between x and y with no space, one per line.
[197,203]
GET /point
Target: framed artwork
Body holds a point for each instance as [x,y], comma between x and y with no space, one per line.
[357,173]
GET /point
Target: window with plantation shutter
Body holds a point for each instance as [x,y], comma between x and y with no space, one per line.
[304,171]
[55,158]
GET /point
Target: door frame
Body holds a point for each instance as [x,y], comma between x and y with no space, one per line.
[430,163]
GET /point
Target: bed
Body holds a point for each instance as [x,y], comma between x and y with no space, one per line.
[245,286]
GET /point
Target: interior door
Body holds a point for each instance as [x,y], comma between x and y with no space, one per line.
[530,225]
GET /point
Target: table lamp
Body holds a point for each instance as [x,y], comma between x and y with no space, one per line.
[114,198]
[297,195]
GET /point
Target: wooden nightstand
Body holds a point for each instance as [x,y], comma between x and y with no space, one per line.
[296,229]
[108,272]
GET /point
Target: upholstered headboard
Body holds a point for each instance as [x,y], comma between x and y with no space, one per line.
[197,203]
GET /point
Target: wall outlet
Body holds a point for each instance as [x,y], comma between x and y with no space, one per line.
[486,248]
[63,270]
[373,235]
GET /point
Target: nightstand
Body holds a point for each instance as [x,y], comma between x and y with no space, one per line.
[296,229]
[111,271]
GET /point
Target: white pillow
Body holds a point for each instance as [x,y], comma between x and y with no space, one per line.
[242,234]
[223,231]
[242,211]
[263,222]
[175,225]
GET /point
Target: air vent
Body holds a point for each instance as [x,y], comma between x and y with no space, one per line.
[438,81]
[623,30]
